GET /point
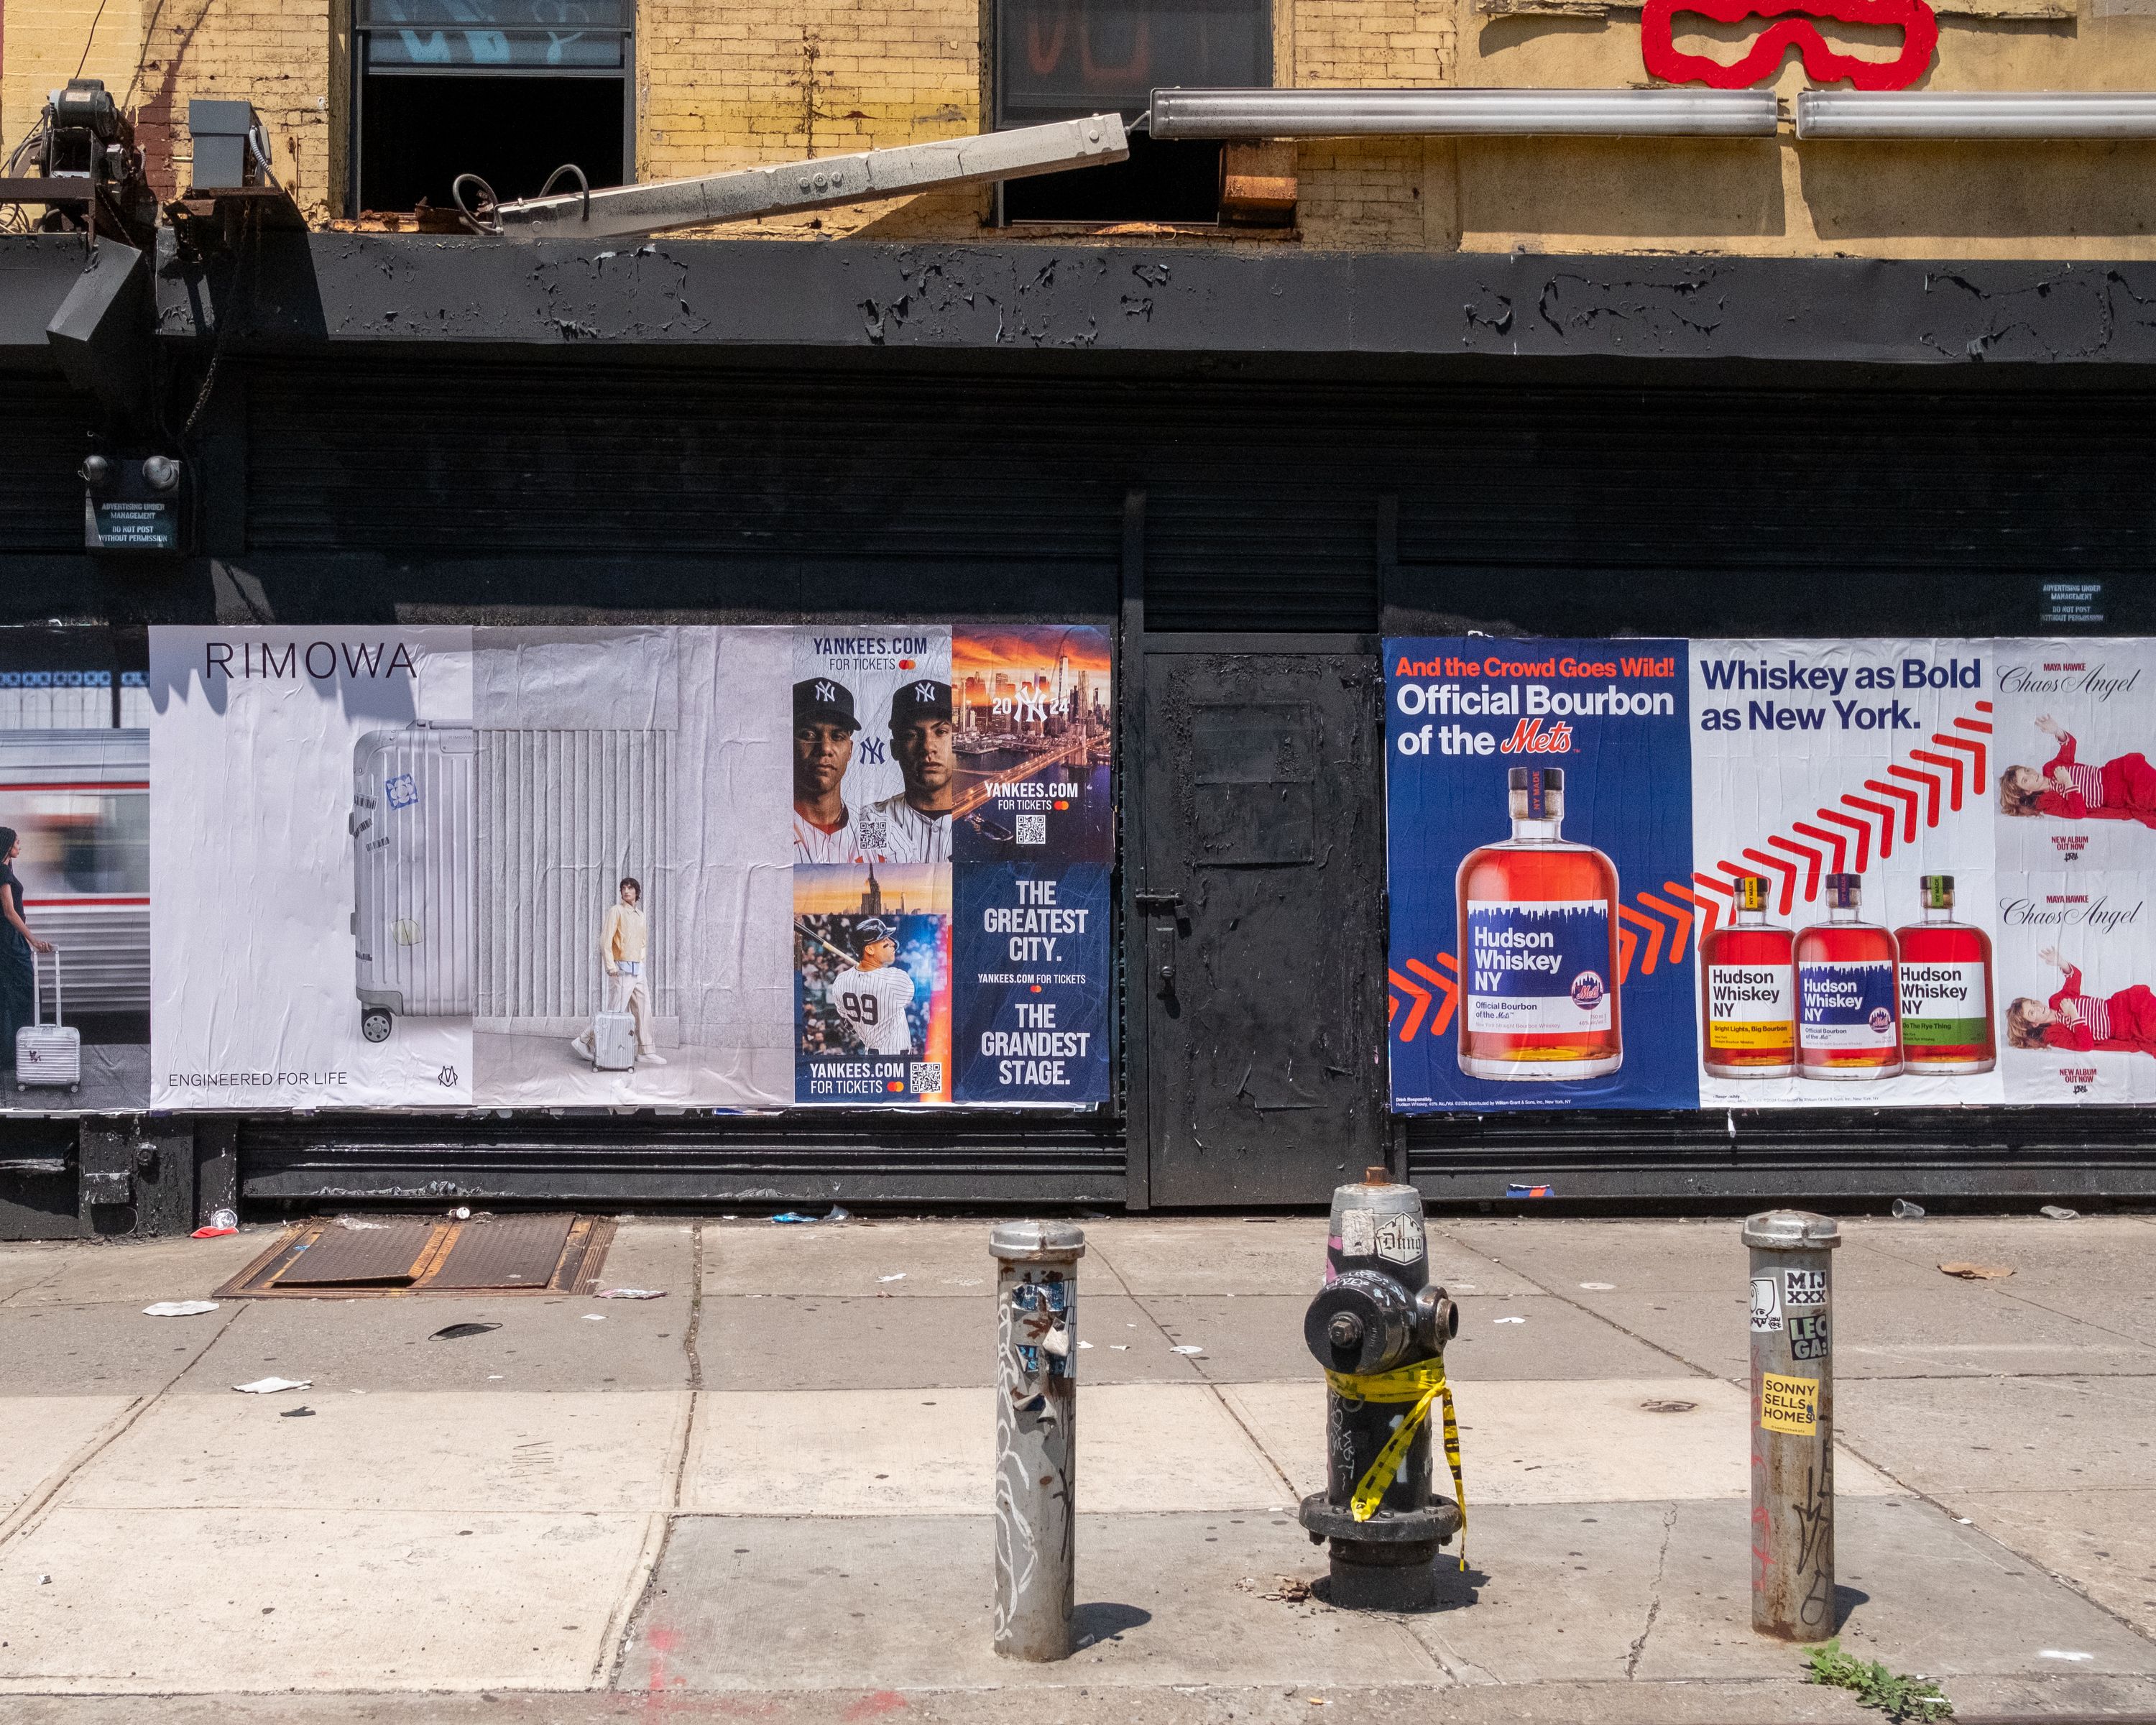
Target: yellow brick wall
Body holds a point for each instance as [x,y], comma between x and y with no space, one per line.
[48,42]
[726,82]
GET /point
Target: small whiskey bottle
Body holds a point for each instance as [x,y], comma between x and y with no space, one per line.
[1847,1027]
[1538,946]
[1946,988]
[1749,990]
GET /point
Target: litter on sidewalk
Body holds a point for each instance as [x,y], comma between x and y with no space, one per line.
[630,1294]
[2059,1213]
[179,1308]
[1978,1272]
[271,1386]
[457,1332]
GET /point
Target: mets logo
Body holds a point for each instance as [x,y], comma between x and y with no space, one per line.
[827,694]
[1882,1020]
[1587,991]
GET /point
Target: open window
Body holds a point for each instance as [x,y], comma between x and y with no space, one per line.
[507,89]
[1055,59]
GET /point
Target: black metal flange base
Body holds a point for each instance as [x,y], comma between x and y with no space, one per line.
[1385,1563]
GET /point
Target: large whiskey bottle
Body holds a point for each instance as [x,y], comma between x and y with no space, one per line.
[1946,988]
[1748,977]
[1848,1026]
[1538,946]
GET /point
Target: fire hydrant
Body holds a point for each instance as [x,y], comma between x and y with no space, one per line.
[1379,1330]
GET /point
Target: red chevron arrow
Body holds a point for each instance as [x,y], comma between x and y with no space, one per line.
[1712,885]
[1708,911]
[1419,996]
[1812,860]
[1840,843]
[1787,870]
[1908,808]
[1861,828]
[1953,763]
[1975,748]
[1885,824]
[1930,781]
[1678,916]
[1625,913]
[1447,986]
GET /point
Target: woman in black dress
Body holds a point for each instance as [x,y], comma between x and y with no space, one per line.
[19,981]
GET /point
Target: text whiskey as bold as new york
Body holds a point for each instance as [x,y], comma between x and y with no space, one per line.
[1749,987]
[1538,946]
[1848,1023]
[1946,988]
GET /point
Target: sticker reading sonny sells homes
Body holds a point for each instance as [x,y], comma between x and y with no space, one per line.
[1789,1404]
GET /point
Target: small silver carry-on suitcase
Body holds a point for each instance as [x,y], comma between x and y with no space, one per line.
[46,1054]
[614,1041]
[412,852]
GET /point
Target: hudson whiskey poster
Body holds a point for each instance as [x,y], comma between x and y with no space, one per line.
[1728,874]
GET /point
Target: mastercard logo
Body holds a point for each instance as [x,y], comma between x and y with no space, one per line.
[1062,803]
[1036,988]
[893,1084]
[905,664]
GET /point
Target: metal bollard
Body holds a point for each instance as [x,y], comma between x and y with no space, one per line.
[1792,1424]
[1036,1434]
[1379,1330]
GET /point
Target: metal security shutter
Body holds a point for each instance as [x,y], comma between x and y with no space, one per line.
[1806,1155]
[41,443]
[945,1159]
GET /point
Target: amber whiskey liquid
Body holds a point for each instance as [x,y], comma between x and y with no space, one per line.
[1538,946]
[1747,975]
[1946,988]
[1848,1024]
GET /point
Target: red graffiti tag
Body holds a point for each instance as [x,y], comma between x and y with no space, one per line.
[1920,37]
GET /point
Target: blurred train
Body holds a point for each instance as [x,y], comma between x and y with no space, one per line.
[80,802]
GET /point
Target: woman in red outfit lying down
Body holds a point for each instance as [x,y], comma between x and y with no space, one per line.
[2120,790]
[2124,1023]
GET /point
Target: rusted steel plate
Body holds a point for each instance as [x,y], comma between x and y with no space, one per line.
[389,1254]
[504,1252]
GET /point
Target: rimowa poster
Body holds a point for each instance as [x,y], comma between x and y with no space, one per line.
[675,868]
[1787,874]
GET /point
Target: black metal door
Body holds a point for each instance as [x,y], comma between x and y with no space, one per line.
[1261,900]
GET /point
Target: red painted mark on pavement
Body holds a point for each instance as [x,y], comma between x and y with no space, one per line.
[869,1706]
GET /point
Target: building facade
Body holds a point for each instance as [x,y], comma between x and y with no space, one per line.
[1245,407]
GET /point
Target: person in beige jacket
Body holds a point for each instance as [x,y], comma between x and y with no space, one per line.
[623,939]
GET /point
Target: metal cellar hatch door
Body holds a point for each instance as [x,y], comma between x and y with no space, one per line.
[1263,894]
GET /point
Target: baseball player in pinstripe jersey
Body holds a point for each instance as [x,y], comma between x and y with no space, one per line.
[824,829]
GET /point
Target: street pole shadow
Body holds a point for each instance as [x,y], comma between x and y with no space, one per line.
[1846,1600]
[1100,1620]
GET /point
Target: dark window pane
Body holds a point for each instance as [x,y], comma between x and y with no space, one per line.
[1171,182]
[1058,58]
[417,134]
[502,14]
[423,47]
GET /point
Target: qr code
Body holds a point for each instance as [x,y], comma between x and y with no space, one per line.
[1033,829]
[924,1078]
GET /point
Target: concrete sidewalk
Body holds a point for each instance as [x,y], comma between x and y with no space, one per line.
[767,1494]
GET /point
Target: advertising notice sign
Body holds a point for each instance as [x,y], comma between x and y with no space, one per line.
[1641,874]
[855,866]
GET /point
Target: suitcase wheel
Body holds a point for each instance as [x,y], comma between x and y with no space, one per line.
[374,1025]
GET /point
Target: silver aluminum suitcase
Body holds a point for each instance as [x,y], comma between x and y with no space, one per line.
[614,1041]
[48,1055]
[412,865]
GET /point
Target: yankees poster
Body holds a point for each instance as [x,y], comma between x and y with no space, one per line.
[1820,873]
[632,867]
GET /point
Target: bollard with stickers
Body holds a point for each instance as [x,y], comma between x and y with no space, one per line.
[1036,1436]
[1792,1424]
[1379,1330]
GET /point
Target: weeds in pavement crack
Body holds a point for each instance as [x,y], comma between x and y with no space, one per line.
[1898,1696]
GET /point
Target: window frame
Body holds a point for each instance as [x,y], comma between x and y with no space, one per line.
[355,163]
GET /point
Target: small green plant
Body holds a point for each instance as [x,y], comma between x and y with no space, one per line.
[1899,1698]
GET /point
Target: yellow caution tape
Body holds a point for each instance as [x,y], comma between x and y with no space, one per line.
[1422,1384]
